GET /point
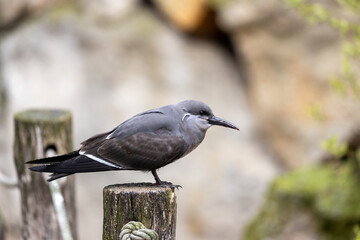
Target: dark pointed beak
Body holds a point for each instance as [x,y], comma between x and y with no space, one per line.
[221,122]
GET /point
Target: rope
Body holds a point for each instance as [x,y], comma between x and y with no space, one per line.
[59,203]
[137,231]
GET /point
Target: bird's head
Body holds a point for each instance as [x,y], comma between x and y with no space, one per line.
[201,115]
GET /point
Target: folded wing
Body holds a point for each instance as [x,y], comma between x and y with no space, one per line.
[143,151]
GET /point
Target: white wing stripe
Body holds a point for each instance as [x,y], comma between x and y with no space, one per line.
[109,136]
[99,160]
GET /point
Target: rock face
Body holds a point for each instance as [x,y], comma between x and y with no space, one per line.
[288,66]
[188,15]
[289,63]
[11,11]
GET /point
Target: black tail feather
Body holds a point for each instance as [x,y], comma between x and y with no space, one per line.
[55,159]
[55,176]
[68,166]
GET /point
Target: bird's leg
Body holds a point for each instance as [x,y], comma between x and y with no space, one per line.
[163,183]
[157,179]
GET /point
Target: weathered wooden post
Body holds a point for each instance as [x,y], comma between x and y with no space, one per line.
[154,206]
[2,227]
[43,217]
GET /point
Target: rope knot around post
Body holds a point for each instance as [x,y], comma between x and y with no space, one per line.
[137,231]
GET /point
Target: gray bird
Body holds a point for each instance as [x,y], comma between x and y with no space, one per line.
[145,142]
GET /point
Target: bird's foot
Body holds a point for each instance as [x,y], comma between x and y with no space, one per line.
[163,183]
[168,184]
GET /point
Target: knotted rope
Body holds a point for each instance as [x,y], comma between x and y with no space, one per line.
[137,231]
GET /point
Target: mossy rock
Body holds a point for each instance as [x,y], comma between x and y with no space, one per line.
[326,196]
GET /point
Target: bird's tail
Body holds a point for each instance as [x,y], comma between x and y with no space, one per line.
[55,159]
[67,164]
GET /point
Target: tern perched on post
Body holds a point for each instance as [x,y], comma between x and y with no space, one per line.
[145,142]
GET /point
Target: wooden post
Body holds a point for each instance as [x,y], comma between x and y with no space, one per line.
[35,132]
[2,227]
[152,205]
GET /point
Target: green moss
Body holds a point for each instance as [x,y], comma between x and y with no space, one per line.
[37,115]
[330,194]
[53,126]
[65,8]
[220,4]
[357,232]
[304,182]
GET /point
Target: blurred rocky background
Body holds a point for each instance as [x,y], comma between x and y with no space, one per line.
[285,72]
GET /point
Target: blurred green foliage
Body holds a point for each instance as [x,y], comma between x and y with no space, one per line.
[316,112]
[334,147]
[218,4]
[357,232]
[348,81]
[327,194]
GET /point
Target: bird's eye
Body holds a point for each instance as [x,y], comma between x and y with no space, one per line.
[203,113]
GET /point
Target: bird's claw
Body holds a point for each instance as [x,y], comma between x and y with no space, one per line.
[168,184]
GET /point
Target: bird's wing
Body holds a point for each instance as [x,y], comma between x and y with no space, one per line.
[144,150]
[145,141]
[143,122]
